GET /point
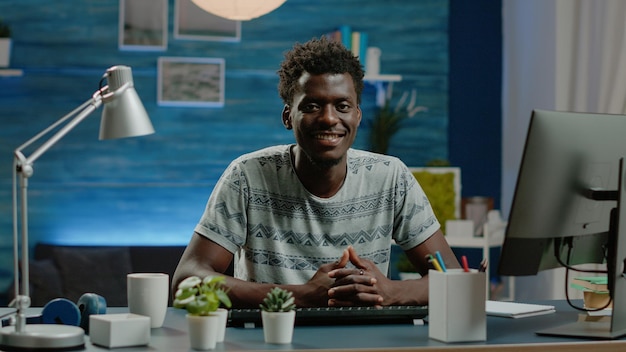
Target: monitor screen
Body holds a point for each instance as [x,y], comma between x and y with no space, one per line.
[565,156]
[568,205]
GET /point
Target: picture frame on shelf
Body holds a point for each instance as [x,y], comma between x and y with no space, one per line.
[193,23]
[143,25]
[191,81]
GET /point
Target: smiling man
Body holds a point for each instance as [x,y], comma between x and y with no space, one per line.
[317,217]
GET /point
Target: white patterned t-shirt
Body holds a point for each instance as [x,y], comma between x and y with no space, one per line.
[281,233]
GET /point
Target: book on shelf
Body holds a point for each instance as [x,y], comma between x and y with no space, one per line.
[598,284]
[334,36]
[355,41]
[345,34]
[359,46]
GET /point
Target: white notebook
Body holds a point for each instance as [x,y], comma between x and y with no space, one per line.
[517,310]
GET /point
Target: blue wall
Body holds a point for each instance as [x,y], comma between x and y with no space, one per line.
[152,190]
[475,109]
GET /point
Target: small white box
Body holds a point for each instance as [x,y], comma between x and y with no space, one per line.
[456,306]
[119,330]
[460,228]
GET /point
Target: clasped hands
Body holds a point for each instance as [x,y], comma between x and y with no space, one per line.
[361,285]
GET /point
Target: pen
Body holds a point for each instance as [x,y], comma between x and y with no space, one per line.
[436,263]
[465,265]
[440,260]
[483,266]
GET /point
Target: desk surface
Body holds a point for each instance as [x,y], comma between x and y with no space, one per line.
[503,334]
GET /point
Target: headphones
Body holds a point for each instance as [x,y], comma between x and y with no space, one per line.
[62,311]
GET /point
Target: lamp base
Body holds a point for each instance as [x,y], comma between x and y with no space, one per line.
[42,337]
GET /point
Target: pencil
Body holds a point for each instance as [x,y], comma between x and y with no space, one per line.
[436,263]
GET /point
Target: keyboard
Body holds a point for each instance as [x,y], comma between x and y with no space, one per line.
[336,316]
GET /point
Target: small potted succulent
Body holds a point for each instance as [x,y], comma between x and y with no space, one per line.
[278,315]
[203,298]
[5,44]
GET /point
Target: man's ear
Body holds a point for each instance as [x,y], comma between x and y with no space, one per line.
[286,116]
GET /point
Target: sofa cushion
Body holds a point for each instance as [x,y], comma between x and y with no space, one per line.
[94,270]
[45,282]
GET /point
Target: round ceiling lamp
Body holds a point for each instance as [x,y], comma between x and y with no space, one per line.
[239,10]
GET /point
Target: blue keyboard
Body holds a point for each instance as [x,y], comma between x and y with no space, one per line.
[336,316]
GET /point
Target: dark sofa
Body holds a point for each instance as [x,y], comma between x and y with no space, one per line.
[70,271]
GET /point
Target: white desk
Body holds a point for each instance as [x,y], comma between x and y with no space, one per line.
[503,334]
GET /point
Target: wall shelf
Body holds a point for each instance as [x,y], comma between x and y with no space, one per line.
[382,78]
[8,72]
[379,83]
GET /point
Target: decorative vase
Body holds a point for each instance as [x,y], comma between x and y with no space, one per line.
[278,326]
[203,331]
[5,52]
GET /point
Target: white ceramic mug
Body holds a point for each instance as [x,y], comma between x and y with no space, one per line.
[148,295]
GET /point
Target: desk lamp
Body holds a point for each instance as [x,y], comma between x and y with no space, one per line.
[123,116]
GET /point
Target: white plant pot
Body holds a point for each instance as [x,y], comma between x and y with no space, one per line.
[409,276]
[278,326]
[203,331]
[222,314]
[5,52]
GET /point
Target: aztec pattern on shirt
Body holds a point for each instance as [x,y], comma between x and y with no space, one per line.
[281,233]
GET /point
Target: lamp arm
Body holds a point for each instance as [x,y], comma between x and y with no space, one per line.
[54,125]
[87,108]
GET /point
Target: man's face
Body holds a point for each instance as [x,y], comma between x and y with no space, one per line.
[324,116]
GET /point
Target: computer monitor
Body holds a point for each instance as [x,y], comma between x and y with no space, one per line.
[566,208]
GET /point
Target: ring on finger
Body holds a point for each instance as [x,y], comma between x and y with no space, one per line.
[361,272]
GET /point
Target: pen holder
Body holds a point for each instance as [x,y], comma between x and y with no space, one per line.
[456,306]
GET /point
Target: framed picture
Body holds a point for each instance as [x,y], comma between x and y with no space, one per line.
[192,22]
[190,81]
[142,25]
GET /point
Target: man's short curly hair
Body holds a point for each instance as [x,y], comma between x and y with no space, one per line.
[317,56]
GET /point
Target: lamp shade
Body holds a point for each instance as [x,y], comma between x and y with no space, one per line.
[239,10]
[123,114]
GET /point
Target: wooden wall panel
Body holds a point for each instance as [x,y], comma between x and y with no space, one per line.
[152,190]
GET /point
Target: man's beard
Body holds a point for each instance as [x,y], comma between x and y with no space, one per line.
[323,163]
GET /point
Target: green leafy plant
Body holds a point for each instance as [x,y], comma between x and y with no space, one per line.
[388,120]
[278,300]
[201,297]
[5,30]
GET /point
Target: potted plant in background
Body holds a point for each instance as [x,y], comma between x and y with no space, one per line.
[406,270]
[388,119]
[5,44]
[278,315]
[202,299]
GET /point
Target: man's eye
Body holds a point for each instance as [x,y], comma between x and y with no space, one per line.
[343,107]
[309,108]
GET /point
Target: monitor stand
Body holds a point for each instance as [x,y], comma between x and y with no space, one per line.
[585,329]
[617,279]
